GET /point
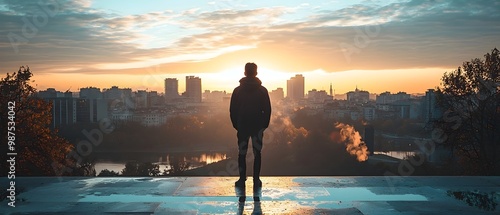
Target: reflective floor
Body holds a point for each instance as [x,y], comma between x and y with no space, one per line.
[279,195]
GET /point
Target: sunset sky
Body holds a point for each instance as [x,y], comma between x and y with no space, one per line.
[375,45]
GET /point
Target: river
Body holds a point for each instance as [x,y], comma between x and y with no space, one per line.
[194,159]
[397,154]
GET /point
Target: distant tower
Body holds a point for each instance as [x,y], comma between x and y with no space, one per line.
[431,109]
[193,88]
[331,90]
[171,88]
[295,87]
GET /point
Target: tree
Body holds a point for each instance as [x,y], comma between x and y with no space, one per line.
[36,145]
[148,169]
[85,169]
[130,169]
[108,173]
[177,166]
[141,169]
[470,125]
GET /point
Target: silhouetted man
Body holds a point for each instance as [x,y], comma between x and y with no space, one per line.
[250,112]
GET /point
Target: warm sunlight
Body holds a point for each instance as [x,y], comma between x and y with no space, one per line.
[125,101]
[228,79]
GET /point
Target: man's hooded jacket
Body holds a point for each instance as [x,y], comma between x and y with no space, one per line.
[250,108]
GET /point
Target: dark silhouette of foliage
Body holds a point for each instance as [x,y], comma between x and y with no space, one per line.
[141,169]
[37,146]
[85,169]
[177,165]
[148,169]
[484,201]
[130,169]
[108,173]
[471,122]
[212,133]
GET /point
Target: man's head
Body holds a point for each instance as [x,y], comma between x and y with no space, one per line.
[251,70]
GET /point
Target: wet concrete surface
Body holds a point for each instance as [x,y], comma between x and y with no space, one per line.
[279,195]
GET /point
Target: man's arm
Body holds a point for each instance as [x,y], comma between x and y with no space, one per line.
[266,101]
[233,108]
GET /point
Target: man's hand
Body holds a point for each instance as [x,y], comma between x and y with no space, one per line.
[261,133]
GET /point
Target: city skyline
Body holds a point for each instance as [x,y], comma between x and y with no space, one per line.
[377,45]
[172,84]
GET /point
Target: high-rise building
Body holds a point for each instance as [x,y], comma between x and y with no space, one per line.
[171,88]
[119,98]
[358,96]
[90,93]
[277,94]
[430,107]
[154,99]
[141,99]
[193,88]
[63,111]
[117,93]
[91,110]
[295,87]
[66,110]
[53,93]
[214,96]
[318,96]
[389,98]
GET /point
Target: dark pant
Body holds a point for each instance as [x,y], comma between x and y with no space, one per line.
[243,148]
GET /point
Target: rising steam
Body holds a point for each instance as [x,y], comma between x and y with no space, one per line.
[351,138]
[282,130]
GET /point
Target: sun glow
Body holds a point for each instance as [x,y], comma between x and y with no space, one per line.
[229,78]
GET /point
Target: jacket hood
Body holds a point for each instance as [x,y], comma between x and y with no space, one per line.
[250,82]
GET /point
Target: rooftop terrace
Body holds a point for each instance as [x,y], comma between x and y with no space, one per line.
[279,195]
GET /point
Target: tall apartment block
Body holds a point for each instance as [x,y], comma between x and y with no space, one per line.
[295,87]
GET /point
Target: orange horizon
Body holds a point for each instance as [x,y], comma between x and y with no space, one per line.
[412,81]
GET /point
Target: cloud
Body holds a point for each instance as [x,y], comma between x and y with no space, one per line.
[412,34]
[66,37]
[173,59]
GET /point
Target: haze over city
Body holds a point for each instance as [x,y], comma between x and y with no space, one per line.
[375,45]
[358,107]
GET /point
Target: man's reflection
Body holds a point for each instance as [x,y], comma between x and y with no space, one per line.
[241,194]
[257,193]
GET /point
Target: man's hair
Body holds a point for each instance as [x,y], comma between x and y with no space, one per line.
[250,69]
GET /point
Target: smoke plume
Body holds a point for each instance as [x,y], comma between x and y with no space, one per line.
[350,137]
[282,130]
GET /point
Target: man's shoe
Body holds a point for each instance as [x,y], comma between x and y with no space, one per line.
[257,183]
[240,183]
